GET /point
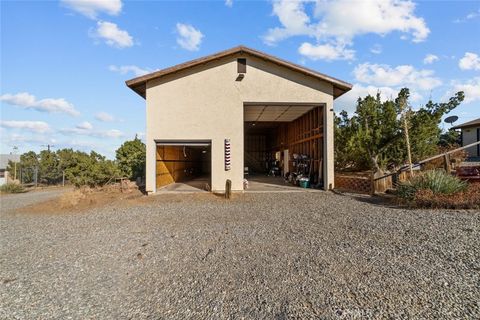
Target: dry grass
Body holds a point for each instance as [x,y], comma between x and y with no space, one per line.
[83,199]
[468,199]
[72,198]
[11,187]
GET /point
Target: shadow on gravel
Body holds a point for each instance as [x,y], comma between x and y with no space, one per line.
[384,201]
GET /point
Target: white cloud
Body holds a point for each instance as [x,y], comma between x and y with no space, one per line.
[89,131]
[114,133]
[91,8]
[87,144]
[34,126]
[326,52]
[229,3]
[336,23]
[470,61]
[373,78]
[430,58]
[403,75]
[473,15]
[104,117]
[112,35]
[470,16]
[344,20]
[50,105]
[376,49]
[471,88]
[294,20]
[24,139]
[137,71]
[189,38]
[84,126]
[348,101]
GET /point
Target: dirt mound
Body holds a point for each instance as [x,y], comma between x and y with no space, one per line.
[83,199]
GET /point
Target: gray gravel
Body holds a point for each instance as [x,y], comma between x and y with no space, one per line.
[259,256]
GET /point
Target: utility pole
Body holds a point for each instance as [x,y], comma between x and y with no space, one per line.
[36,176]
[15,148]
[48,146]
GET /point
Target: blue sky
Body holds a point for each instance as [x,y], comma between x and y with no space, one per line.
[64,63]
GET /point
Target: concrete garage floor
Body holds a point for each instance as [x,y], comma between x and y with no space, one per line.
[257,184]
[191,186]
[258,256]
[261,183]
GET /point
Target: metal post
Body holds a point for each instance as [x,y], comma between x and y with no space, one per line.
[372,184]
[228,189]
[63,178]
[36,176]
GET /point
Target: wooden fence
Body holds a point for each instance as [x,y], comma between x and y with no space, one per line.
[354,182]
[370,183]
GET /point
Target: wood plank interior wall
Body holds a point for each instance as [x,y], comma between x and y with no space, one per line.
[172,165]
[255,147]
[302,136]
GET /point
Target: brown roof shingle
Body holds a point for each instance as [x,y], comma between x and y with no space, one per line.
[139,84]
[473,123]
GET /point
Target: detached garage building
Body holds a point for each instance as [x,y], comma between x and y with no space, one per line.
[221,113]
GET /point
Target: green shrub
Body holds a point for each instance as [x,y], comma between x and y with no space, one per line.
[131,158]
[11,188]
[91,170]
[437,181]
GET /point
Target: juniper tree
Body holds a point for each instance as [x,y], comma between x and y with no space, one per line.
[131,158]
[373,138]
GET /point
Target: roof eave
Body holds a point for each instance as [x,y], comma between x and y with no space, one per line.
[138,84]
[469,124]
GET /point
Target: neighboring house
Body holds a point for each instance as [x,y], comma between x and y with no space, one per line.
[234,109]
[470,134]
[4,174]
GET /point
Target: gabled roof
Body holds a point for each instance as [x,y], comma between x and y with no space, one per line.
[139,84]
[473,123]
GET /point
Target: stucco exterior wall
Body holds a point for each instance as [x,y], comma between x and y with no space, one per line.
[206,103]
[469,135]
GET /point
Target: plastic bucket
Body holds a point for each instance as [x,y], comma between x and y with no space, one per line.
[304,183]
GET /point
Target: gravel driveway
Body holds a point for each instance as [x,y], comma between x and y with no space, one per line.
[259,256]
[18,200]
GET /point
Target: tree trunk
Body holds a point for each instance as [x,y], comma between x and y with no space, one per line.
[376,166]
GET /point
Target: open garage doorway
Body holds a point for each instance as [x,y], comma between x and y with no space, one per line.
[183,166]
[284,144]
